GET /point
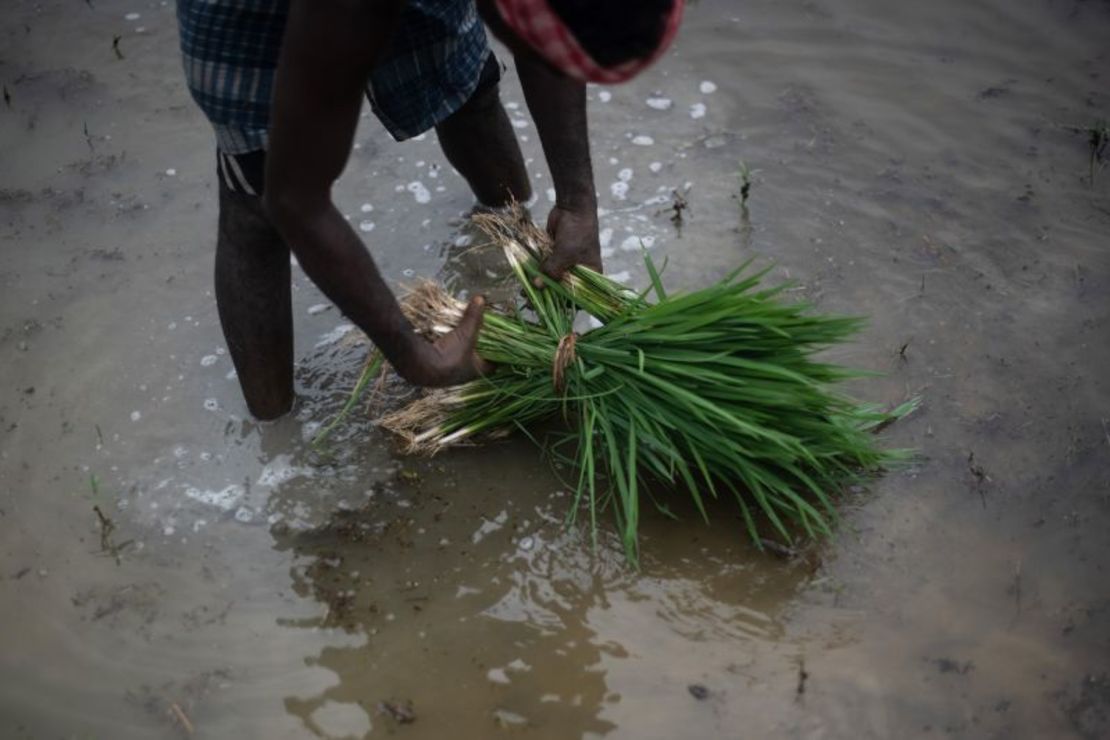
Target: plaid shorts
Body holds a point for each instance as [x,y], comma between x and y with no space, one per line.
[230,50]
[245,172]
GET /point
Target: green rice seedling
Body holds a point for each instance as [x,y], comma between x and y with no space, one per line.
[710,393]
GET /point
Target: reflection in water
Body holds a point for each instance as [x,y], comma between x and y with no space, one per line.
[477,608]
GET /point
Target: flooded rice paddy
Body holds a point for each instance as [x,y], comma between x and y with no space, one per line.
[924,164]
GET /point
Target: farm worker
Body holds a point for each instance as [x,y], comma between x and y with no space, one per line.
[282,82]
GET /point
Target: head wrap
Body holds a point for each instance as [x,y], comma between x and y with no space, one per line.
[535,22]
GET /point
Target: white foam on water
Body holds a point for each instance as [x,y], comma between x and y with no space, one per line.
[625,175]
[171,172]
[366,226]
[520,123]
[497,675]
[635,243]
[631,243]
[643,140]
[132,17]
[334,335]
[697,110]
[366,208]
[707,87]
[613,160]
[605,96]
[419,192]
[551,195]
[512,105]
[211,404]
[280,470]
[660,103]
[509,720]
[136,415]
[317,308]
[605,236]
[408,272]
[208,360]
[225,499]
[489,526]
[655,167]
[619,189]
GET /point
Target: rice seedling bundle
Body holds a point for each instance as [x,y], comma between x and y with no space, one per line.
[715,392]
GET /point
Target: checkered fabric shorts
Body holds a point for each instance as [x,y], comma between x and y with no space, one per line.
[230,50]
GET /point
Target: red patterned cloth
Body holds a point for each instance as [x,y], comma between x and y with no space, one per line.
[543,30]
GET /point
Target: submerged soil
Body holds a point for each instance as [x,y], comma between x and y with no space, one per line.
[924,164]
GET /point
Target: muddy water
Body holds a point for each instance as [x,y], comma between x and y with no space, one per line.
[913,162]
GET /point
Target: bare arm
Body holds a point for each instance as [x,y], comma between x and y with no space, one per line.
[558,106]
[328,51]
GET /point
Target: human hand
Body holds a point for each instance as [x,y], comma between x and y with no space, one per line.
[452,359]
[574,232]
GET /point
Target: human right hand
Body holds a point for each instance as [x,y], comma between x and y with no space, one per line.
[574,235]
[452,359]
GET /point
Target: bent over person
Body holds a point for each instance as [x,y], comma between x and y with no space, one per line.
[282,83]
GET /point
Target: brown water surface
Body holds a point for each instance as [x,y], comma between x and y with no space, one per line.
[915,162]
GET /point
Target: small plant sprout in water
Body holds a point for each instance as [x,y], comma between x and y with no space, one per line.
[1098,140]
[1098,145]
[744,175]
[108,544]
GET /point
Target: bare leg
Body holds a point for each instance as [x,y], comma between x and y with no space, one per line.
[255,304]
[479,142]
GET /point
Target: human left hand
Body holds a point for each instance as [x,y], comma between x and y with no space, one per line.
[574,232]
